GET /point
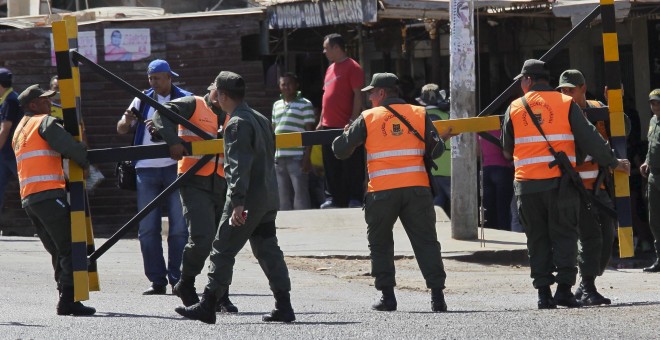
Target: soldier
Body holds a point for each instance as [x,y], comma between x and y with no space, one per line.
[548,201]
[252,186]
[596,234]
[651,170]
[40,142]
[398,186]
[203,195]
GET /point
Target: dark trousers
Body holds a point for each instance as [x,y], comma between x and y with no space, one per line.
[654,210]
[498,192]
[52,218]
[202,210]
[596,238]
[259,230]
[551,225]
[414,206]
[344,178]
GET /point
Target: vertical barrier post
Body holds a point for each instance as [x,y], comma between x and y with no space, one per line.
[61,41]
[617,126]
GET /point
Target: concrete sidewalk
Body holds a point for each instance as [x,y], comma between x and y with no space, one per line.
[335,232]
[343,232]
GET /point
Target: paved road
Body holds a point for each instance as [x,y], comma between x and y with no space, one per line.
[485,301]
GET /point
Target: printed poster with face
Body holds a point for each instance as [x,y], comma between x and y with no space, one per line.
[126,44]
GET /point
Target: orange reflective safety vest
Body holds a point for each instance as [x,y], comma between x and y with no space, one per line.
[395,157]
[530,154]
[205,119]
[39,166]
[589,169]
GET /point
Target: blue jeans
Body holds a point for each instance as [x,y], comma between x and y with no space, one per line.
[442,199]
[7,174]
[150,183]
[293,183]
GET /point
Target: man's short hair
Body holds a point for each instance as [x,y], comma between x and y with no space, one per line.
[335,39]
[235,95]
[291,76]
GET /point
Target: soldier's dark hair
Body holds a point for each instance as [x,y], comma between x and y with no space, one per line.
[391,92]
[336,39]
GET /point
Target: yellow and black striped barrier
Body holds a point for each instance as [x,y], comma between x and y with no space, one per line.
[85,277]
[617,126]
[284,140]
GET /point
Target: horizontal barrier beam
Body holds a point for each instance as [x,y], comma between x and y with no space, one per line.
[284,140]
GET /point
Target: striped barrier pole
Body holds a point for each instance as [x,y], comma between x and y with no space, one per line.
[617,127]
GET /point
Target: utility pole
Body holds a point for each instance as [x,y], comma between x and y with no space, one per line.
[462,84]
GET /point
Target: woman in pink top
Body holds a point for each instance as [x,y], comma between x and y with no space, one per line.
[498,184]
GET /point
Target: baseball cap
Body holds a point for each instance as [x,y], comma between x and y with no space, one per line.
[160,65]
[533,67]
[33,92]
[654,95]
[5,74]
[227,80]
[382,80]
[571,78]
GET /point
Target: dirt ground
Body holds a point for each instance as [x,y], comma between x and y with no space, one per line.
[462,277]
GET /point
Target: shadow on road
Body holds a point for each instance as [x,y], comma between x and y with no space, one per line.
[126,315]
[19,324]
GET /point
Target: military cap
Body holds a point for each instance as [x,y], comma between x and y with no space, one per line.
[382,80]
[227,80]
[571,78]
[533,67]
[33,92]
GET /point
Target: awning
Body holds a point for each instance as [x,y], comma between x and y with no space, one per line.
[578,9]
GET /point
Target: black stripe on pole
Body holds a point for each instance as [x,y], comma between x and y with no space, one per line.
[612,75]
[62,58]
[310,138]
[609,20]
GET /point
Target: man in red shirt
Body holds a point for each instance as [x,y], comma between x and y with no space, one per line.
[342,103]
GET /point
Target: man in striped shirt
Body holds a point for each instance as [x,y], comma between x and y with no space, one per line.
[292,113]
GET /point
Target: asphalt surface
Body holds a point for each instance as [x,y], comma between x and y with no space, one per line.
[485,300]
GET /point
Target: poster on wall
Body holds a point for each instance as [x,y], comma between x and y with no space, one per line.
[86,46]
[126,44]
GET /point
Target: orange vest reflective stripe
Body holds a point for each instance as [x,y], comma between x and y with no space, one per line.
[530,154]
[394,154]
[39,166]
[589,169]
[205,119]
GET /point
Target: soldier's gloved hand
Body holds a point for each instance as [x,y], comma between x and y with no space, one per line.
[177,151]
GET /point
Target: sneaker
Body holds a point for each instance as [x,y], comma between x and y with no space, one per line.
[328,204]
[354,204]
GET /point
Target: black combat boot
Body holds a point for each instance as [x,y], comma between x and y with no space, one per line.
[387,302]
[545,298]
[564,297]
[224,304]
[66,305]
[438,303]
[283,311]
[654,268]
[591,296]
[185,289]
[203,311]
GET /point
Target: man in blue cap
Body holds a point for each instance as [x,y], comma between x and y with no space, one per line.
[10,114]
[153,176]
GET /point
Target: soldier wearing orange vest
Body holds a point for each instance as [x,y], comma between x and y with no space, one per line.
[203,195]
[40,142]
[548,202]
[596,235]
[398,187]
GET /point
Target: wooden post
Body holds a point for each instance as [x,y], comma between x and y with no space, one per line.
[462,84]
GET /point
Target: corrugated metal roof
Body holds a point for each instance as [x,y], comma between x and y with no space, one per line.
[119,13]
